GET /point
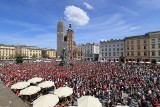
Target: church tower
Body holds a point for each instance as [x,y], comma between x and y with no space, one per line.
[60,37]
[70,42]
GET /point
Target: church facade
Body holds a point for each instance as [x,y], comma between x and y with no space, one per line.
[65,39]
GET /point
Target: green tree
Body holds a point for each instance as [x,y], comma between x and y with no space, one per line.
[19,59]
[34,56]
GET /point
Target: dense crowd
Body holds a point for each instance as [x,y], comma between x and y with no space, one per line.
[136,85]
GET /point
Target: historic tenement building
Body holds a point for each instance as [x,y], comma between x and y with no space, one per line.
[154,45]
[137,48]
[111,50]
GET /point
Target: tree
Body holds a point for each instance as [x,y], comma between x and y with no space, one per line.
[34,56]
[19,59]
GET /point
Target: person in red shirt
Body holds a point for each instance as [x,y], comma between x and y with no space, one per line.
[155,103]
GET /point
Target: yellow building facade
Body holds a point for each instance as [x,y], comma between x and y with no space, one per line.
[51,53]
[7,52]
[34,52]
[137,48]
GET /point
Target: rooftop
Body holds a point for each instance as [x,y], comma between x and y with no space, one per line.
[9,99]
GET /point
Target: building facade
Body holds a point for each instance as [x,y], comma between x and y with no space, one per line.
[34,52]
[61,32]
[154,44]
[90,51]
[25,52]
[111,50]
[80,52]
[65,40]
[137,48]
[7,52]
[48,53]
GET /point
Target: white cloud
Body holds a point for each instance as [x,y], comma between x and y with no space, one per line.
[150,3]
[88,6]
[76,15]
[128,10]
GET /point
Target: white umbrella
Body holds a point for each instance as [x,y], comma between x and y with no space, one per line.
[121,106]
[148,62]
[134,61]
[89,101]
[30,90]
[141,62]
[35,80]
[20,85]
[48,100]
[46,84]
[63,91]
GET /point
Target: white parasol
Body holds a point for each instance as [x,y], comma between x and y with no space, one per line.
[63,91]
[30,90]
[48,100]
[46,84]
[89,101]
[35,80]
[20,85]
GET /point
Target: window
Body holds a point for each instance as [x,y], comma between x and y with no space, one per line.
[153,53]
[159,40]
[132,47]
[138,47]
[106,54]
[127,48]
[106,49]
[121,49]
[145,41]
[145,46]
[121,44]
[102,49]
[106,45]
[138,53]
[131,42]
[114,54]
[145,53]
[153,46]
[132,53]
[158,45]
[117,53]
[109,49]
[117,49]
[153,40]
[128,42]
[113,49]
[102,54]
[109,54]
[138,41]
[127,53]
[159,53]
[117,44]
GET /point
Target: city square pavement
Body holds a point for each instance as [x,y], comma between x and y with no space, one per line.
[9,99]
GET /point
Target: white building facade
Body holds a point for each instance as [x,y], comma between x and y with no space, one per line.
[90,51]
[111,50]
[154,42]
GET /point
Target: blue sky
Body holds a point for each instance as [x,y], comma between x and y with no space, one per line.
[33,22]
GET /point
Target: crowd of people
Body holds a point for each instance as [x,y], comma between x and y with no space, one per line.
[132,84]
